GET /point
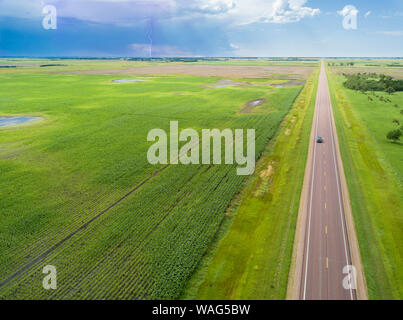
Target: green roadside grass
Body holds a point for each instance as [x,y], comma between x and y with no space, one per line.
[251,255]
[374,171]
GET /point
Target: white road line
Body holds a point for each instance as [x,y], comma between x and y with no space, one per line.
[338,187]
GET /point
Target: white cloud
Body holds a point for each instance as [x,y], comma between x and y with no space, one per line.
[234,46]
[208,7]
[368,14]
[236,12]
[270,11]
[290,11]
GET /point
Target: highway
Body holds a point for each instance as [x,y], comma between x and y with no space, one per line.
[326,250]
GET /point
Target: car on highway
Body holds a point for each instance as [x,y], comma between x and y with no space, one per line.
[319,139]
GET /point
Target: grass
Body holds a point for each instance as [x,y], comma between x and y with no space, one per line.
[374,172]
[90,150]
[251,255]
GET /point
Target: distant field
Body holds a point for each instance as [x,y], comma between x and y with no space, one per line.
[231,69]
[273,72]
[62,176]
[374,172]
[391,67]
[263,62]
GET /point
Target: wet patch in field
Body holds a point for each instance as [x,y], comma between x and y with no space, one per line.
[129,80]
[12,121]
[251,105]
[289,83]
[228,83]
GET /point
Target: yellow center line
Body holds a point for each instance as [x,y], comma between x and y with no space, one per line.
[324,173]
[325,205]
[327,263]
[326,229]
[324,188]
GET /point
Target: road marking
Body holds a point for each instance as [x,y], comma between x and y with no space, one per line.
[324,188]
[325,205]
[324,173]
[326,229]
[327,263]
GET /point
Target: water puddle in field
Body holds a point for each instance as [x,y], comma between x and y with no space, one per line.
[256,103]
[12,121]
[225,84]
[129,80]
[288,83]
[252,105]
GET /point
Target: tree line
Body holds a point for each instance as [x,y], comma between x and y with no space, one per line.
[372,82]
[342,64]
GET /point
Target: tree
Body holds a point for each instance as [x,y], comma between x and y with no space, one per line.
[396,121]
[390,90]
[394,135]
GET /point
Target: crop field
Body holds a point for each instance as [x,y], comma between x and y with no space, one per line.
[252,259]
[374,172]
[77,191]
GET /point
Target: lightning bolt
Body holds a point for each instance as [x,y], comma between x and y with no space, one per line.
[150,34]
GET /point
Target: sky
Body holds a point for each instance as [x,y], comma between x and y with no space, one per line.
[201,28]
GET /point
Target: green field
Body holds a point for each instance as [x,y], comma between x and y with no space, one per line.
[61,178]
[374,172]
[251,257]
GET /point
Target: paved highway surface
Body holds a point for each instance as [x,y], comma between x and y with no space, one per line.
[326,249]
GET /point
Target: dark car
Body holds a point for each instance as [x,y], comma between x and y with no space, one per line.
[319,140]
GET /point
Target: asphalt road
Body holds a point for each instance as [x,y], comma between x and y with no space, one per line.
[326,248]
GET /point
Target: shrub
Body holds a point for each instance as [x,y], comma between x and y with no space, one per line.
[394,135]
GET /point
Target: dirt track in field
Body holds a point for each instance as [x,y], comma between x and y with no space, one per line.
[85,225]
[209,71]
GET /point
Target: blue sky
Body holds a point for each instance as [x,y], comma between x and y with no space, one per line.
[268,28]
